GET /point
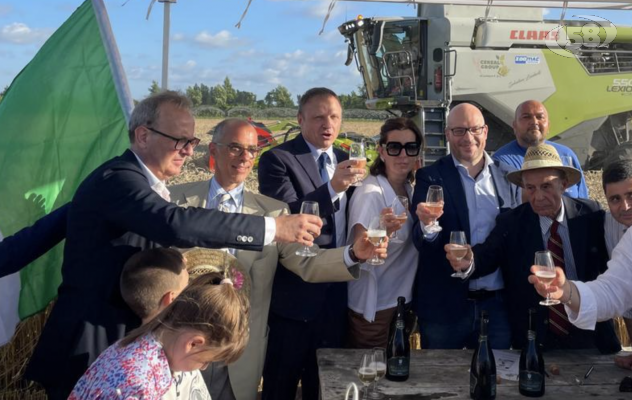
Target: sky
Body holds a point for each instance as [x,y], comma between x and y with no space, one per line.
[278,42]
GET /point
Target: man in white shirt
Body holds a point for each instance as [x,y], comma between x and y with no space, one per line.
[234,148]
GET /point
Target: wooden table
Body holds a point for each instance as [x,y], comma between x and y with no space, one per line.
[443,374]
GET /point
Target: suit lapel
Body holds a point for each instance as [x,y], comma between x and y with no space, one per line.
[577,234]
[454,187]
[197,195]
[251,207]
[306,161]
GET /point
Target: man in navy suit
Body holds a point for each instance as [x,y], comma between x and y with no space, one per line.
[475,191]
[307,316]
[119,209]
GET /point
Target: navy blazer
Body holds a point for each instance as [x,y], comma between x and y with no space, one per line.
[289,173]
[28,244]
[511,246]
[437,296]
[113,215]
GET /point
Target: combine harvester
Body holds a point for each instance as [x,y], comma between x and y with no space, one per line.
[497,55]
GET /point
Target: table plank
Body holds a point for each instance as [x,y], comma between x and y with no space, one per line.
[444,374]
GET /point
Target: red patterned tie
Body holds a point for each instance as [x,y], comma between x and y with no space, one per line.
[558,320]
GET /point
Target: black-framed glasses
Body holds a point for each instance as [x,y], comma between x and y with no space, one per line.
[475,130]
[180,143]
[395,148]
[236,150]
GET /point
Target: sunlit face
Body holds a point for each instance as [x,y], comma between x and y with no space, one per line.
[189,352]
[231,169]
[468,148]
[158,152]
[543,189]
[320,120]
[531,124]
[619,197]
[401,165]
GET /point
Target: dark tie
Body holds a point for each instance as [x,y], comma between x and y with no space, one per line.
[558,320]
[323,160]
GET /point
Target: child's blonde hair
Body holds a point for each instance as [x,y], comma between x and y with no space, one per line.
[215,309]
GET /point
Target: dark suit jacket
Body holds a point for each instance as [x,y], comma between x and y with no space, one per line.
[114,214]
[437,296]
[27,245]
[511,247]
[289,173]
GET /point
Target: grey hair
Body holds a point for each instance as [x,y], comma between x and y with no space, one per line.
[225,126]
[147,112]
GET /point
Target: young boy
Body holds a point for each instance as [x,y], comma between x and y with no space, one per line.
[150,281]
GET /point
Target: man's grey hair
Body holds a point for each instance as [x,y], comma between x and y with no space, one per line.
[147,112]
[225,126]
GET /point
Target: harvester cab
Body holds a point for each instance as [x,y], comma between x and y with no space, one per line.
[580,70]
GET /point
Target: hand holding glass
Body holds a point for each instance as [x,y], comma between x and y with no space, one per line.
[400,209]
[377,234]
[308,207]
[434,201]
[358,157]
[458,248]
[545,271]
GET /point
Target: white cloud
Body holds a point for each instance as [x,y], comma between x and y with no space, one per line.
[19,33]
[177,37]
[221,39]
[546,11]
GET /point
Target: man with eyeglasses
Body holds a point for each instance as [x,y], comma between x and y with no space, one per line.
[123,207]
[307,316]
[475,191]
[234,147]
[531,127]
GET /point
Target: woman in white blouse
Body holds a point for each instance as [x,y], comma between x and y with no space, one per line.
[373,297]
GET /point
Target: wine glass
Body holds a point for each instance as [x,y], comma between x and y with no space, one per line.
[379,356]
[308,207]
[458,248]
[400,209]
[545,271]
[434,201]
[367,371]
[358,157]
[377,234]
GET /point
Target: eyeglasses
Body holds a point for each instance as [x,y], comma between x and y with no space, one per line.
[395,148]
[476,130]
[180,143]
[237,150]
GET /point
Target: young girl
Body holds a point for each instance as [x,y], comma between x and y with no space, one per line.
[207,322]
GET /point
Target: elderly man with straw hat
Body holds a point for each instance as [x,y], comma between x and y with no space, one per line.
[571,229]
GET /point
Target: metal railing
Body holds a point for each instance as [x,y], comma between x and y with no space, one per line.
[606,62]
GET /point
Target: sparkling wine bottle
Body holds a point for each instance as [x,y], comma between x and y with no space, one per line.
[531,376]
[483,369]
[398,349]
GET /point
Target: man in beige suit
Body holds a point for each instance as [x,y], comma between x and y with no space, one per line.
[234,148]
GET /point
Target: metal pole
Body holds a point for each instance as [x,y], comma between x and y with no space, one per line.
[165,43]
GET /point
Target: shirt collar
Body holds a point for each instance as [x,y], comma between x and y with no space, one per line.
[561,218]
[155,183]
[486,157]
[317,152]
[236,194]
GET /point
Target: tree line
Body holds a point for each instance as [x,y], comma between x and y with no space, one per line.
[225,96]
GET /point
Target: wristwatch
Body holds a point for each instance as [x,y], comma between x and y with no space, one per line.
[353,256]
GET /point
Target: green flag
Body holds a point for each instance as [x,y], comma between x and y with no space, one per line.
[63,115]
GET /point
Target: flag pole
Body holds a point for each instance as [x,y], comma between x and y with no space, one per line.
[165,43]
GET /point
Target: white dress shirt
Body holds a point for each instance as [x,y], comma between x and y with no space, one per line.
[614,231]
[609,295]
[340,215]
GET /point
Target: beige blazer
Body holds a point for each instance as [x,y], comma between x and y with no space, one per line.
[328,266]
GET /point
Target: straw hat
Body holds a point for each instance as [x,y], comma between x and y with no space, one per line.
[203,261]
[540,157]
